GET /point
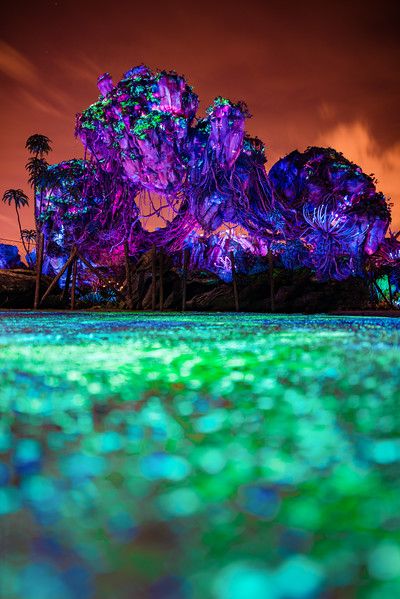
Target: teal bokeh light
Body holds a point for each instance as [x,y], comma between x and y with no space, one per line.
[212,456]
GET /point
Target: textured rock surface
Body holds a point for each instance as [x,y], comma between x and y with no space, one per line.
[9,256]
[17,289]
[297,291]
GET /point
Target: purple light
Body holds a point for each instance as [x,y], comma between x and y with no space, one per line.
[149,158]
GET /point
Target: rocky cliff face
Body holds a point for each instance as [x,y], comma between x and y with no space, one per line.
[17,288]
[9,256]
[294,291]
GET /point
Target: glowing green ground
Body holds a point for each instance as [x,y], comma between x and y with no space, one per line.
[199,456]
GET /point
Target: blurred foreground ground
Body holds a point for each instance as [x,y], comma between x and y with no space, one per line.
[196,456]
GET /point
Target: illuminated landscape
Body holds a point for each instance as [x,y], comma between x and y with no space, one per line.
[200,300]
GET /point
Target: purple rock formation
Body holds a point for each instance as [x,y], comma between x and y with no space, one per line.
[9,256]
[148,156]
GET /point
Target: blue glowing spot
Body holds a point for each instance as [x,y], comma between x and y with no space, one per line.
[42,496]
[135,432]
[109,441]
[260,501]
[81,466]
[161,465]
[386,451]
[211,422]
[40,491]
[299,578]
[4,474]
[242,580]
[27,457]
[47,546]
[42,581]
[78,581]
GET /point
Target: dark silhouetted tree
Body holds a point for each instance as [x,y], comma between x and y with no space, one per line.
[39,146]
[19,199]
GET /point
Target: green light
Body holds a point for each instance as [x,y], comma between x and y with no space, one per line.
[238,455]
[384,561]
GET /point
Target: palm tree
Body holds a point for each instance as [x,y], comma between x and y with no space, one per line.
[38,145]
[29,236]
[19,199]
[37,170]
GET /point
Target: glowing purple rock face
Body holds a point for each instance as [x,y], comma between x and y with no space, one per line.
[82,205]
[142,125]
[313,209]
[332,207]
[214,253]
[105,84]
[226,131]
[388,253]
[174,96]
[216,180]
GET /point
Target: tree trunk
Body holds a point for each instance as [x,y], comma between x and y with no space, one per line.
[161,272]
[128,276]
[140,287]
[390,291]
[20,229]
[234,281]
[60,274]
[186,257]
[29,259]
[271,280]
[153,278]
[380,292]
[35,215]
[67,284]
[73,286]
[39,265]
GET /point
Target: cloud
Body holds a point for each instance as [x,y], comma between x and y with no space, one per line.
[82,68]
[357,144]
[36,102]
[14,65]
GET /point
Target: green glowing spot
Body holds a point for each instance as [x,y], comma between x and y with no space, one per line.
[170,467]
[108,442]
[5,441]
[299,578]
[9,501]
[39,490]
[384,561]
[211,422]
[179,503]
[386,451]
[82,466]
[212,460]
[27,452]
[242,579]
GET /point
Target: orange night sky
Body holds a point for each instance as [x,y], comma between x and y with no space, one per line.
[311,73]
